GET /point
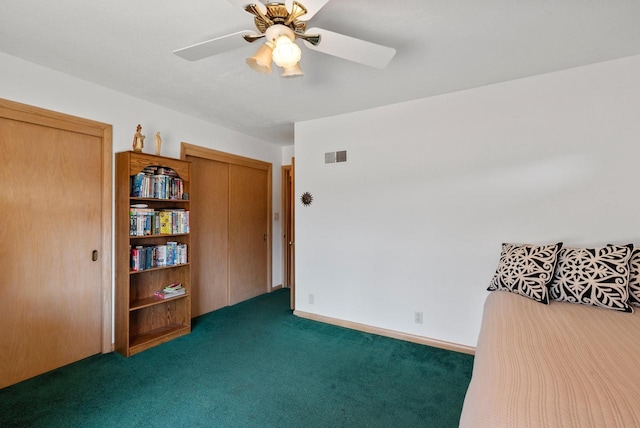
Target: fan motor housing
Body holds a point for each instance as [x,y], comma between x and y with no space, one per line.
[278,14]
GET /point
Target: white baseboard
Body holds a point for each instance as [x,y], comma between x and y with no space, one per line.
[389,333]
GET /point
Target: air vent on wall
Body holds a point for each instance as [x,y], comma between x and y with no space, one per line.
[335,157]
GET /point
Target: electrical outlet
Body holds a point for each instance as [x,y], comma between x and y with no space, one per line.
[418,318]
[311,299]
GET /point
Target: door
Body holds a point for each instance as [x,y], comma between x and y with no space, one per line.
[230,228]
[51,205]
[210,235]
[248,233]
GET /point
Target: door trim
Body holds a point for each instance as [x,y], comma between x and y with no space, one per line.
[187,149]
[288,232]
[285,172]
[39,116]
[292,299]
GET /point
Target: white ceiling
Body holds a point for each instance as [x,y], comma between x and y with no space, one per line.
[442,46]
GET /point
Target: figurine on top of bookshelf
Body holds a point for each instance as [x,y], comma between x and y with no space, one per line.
[138,140]
[158,143]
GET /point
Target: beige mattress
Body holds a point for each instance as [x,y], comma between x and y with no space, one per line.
[557,365]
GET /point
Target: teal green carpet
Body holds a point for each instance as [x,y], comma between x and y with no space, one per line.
[251,365]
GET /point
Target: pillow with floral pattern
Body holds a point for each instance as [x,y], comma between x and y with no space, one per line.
[594,276]
[526,270]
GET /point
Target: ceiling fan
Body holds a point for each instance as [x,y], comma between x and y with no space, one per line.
[281,24]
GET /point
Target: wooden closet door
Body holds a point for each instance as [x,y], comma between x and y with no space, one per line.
[248,232]
[210,235]
[231,215]
[50,205]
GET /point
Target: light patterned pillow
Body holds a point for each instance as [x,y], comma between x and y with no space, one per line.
[634,278]
[594,276]
[526,270]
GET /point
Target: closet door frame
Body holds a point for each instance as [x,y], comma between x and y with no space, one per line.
[187,149]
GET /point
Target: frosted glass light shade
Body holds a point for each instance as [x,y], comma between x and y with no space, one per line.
[261,61]
[292,71]
[286,53]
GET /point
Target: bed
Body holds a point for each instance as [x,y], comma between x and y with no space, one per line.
[556,365]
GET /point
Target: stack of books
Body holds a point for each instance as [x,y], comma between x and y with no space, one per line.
[145,257]
[158,183]
[172,290]
[144,221]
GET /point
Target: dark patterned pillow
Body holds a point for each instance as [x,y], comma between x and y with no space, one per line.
[634,278]
[526,270]
[594,276]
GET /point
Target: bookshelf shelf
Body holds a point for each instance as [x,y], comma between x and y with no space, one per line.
[151,301]
[135,199]
[157,336]
[137,272]
[143,321]
[162,235]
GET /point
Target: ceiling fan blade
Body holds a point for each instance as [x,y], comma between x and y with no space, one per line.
[214,46]
[312,6]
[351,49]
[314,39]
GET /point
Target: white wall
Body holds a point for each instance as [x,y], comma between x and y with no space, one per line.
[287,153]
[414,220]
[31,84]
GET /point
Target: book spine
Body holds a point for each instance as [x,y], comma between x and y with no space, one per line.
[174,222]
[134,258]
[136,184]
[171,253]
[161,255]
[165,222]
[162,295]
[182,253]
[156,230]
[132,224]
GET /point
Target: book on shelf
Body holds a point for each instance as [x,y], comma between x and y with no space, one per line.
[161,255]
[138,256]
[174,286]
[167,295]
[165,222]
[172,290]
[171,253]
[136,184]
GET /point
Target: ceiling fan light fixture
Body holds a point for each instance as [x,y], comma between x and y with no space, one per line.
[261,60]
[292,71]
[286,53]
[278,21]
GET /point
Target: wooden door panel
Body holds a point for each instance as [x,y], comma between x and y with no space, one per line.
[210,236]
[248,232]
[51,305]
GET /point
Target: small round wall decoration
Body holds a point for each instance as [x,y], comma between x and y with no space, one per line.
[306,199]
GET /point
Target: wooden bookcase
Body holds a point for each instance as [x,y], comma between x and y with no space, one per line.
[142,321]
